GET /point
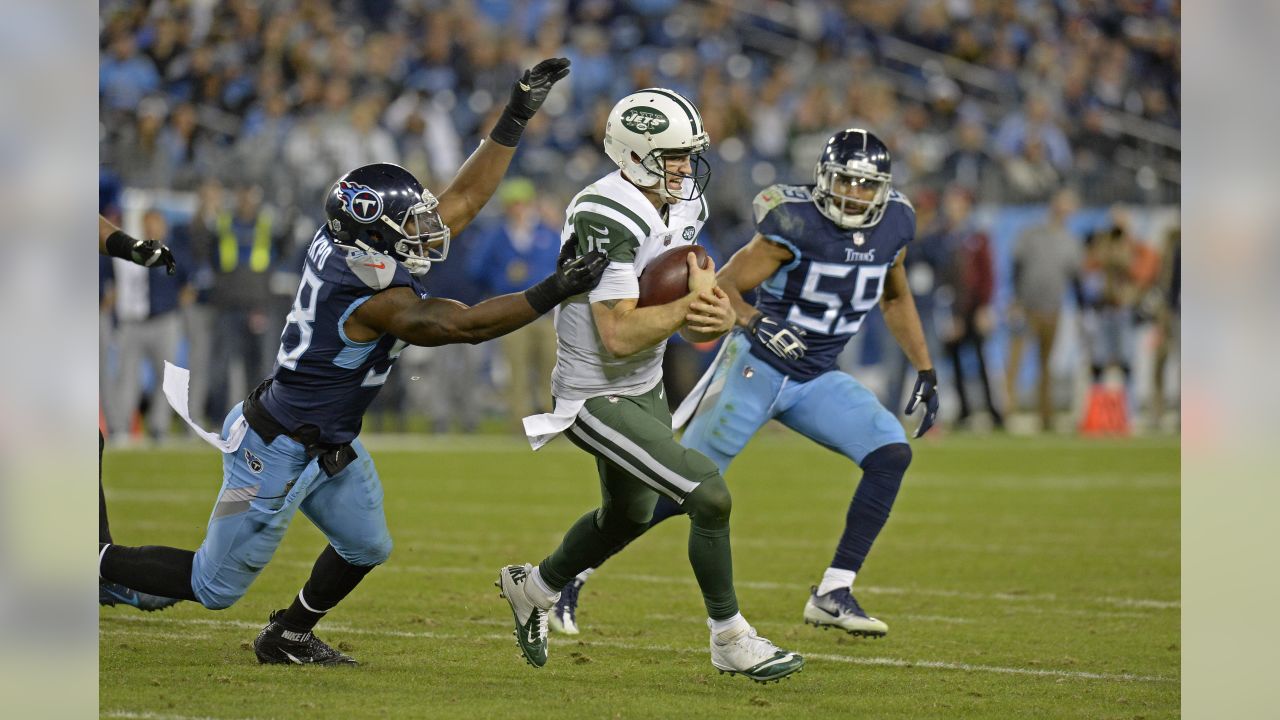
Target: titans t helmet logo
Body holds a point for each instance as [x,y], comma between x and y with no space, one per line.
[360,201]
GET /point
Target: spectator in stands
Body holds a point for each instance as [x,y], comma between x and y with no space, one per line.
[1035,120]
[1047,258]
[1029,176]
[971,165]
[125,76]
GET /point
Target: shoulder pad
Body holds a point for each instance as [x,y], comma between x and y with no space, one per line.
[775,195]
[375,270]
[895,196]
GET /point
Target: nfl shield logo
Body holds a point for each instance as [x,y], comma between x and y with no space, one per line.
[859,238]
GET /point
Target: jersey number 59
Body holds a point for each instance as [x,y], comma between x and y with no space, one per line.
[867,286]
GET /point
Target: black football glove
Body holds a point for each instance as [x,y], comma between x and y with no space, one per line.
[531,89]
[784,340]
[574,275]
[925,391]
[147,253]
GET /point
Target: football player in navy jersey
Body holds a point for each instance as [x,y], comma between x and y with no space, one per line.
[822,257]
[293,443]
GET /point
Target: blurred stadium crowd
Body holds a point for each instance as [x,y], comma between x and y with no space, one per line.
[223,123]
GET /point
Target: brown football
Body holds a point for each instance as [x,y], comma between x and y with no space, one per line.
[666,277]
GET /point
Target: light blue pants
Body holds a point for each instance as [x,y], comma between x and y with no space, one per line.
[262,487]
[833,409]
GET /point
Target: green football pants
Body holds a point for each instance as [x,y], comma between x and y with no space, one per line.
[638,457]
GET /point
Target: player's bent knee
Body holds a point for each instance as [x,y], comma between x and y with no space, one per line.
[219,599]
[894,458]
[710,501]
[369,553]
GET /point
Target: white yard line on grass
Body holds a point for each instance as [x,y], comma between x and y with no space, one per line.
[504,637]
[135,715]
[1017,598]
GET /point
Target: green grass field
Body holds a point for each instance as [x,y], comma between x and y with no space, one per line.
[1021,577]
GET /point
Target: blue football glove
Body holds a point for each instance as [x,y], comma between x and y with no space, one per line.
[925,391]
[783,339]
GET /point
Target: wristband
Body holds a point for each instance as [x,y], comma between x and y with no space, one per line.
[544,296]
[508,129]
[120,244]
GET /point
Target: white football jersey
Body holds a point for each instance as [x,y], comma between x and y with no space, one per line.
[613,215]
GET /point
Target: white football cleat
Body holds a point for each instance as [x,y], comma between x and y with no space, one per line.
[741,650]
[530,620]
[838,609]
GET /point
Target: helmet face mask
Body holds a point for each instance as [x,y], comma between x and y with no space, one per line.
[424,236]
[646,131]
[382,208]
[852,179]
[693,183]
[852,197]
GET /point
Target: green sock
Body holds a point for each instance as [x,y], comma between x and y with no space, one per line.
[712,561]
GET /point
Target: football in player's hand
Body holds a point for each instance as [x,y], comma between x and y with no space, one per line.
[666,278]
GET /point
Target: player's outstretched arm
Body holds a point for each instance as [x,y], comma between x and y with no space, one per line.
[437,321]
[117,243]
[480,174]
[626,329]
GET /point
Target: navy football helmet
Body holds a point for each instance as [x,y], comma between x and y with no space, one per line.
[852,179]
[383,208]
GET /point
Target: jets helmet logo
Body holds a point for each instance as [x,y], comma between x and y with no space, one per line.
[645,119]
[360,201]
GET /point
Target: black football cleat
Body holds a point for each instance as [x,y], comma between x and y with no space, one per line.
[276,645]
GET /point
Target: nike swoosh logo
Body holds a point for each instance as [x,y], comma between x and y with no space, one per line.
[832,614]
[379,266]
[602,231]
[295,660]
[533,639]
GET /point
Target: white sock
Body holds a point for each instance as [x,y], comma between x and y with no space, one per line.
[834,579]
[542,596]
[719,626]
[582,576]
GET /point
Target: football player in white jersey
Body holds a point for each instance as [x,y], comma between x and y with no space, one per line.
[608,381]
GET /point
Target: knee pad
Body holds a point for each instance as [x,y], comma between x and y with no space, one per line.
[710,502]
[889,459]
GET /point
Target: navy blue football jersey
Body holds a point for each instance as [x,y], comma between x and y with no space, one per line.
[835,278]
[322,377]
